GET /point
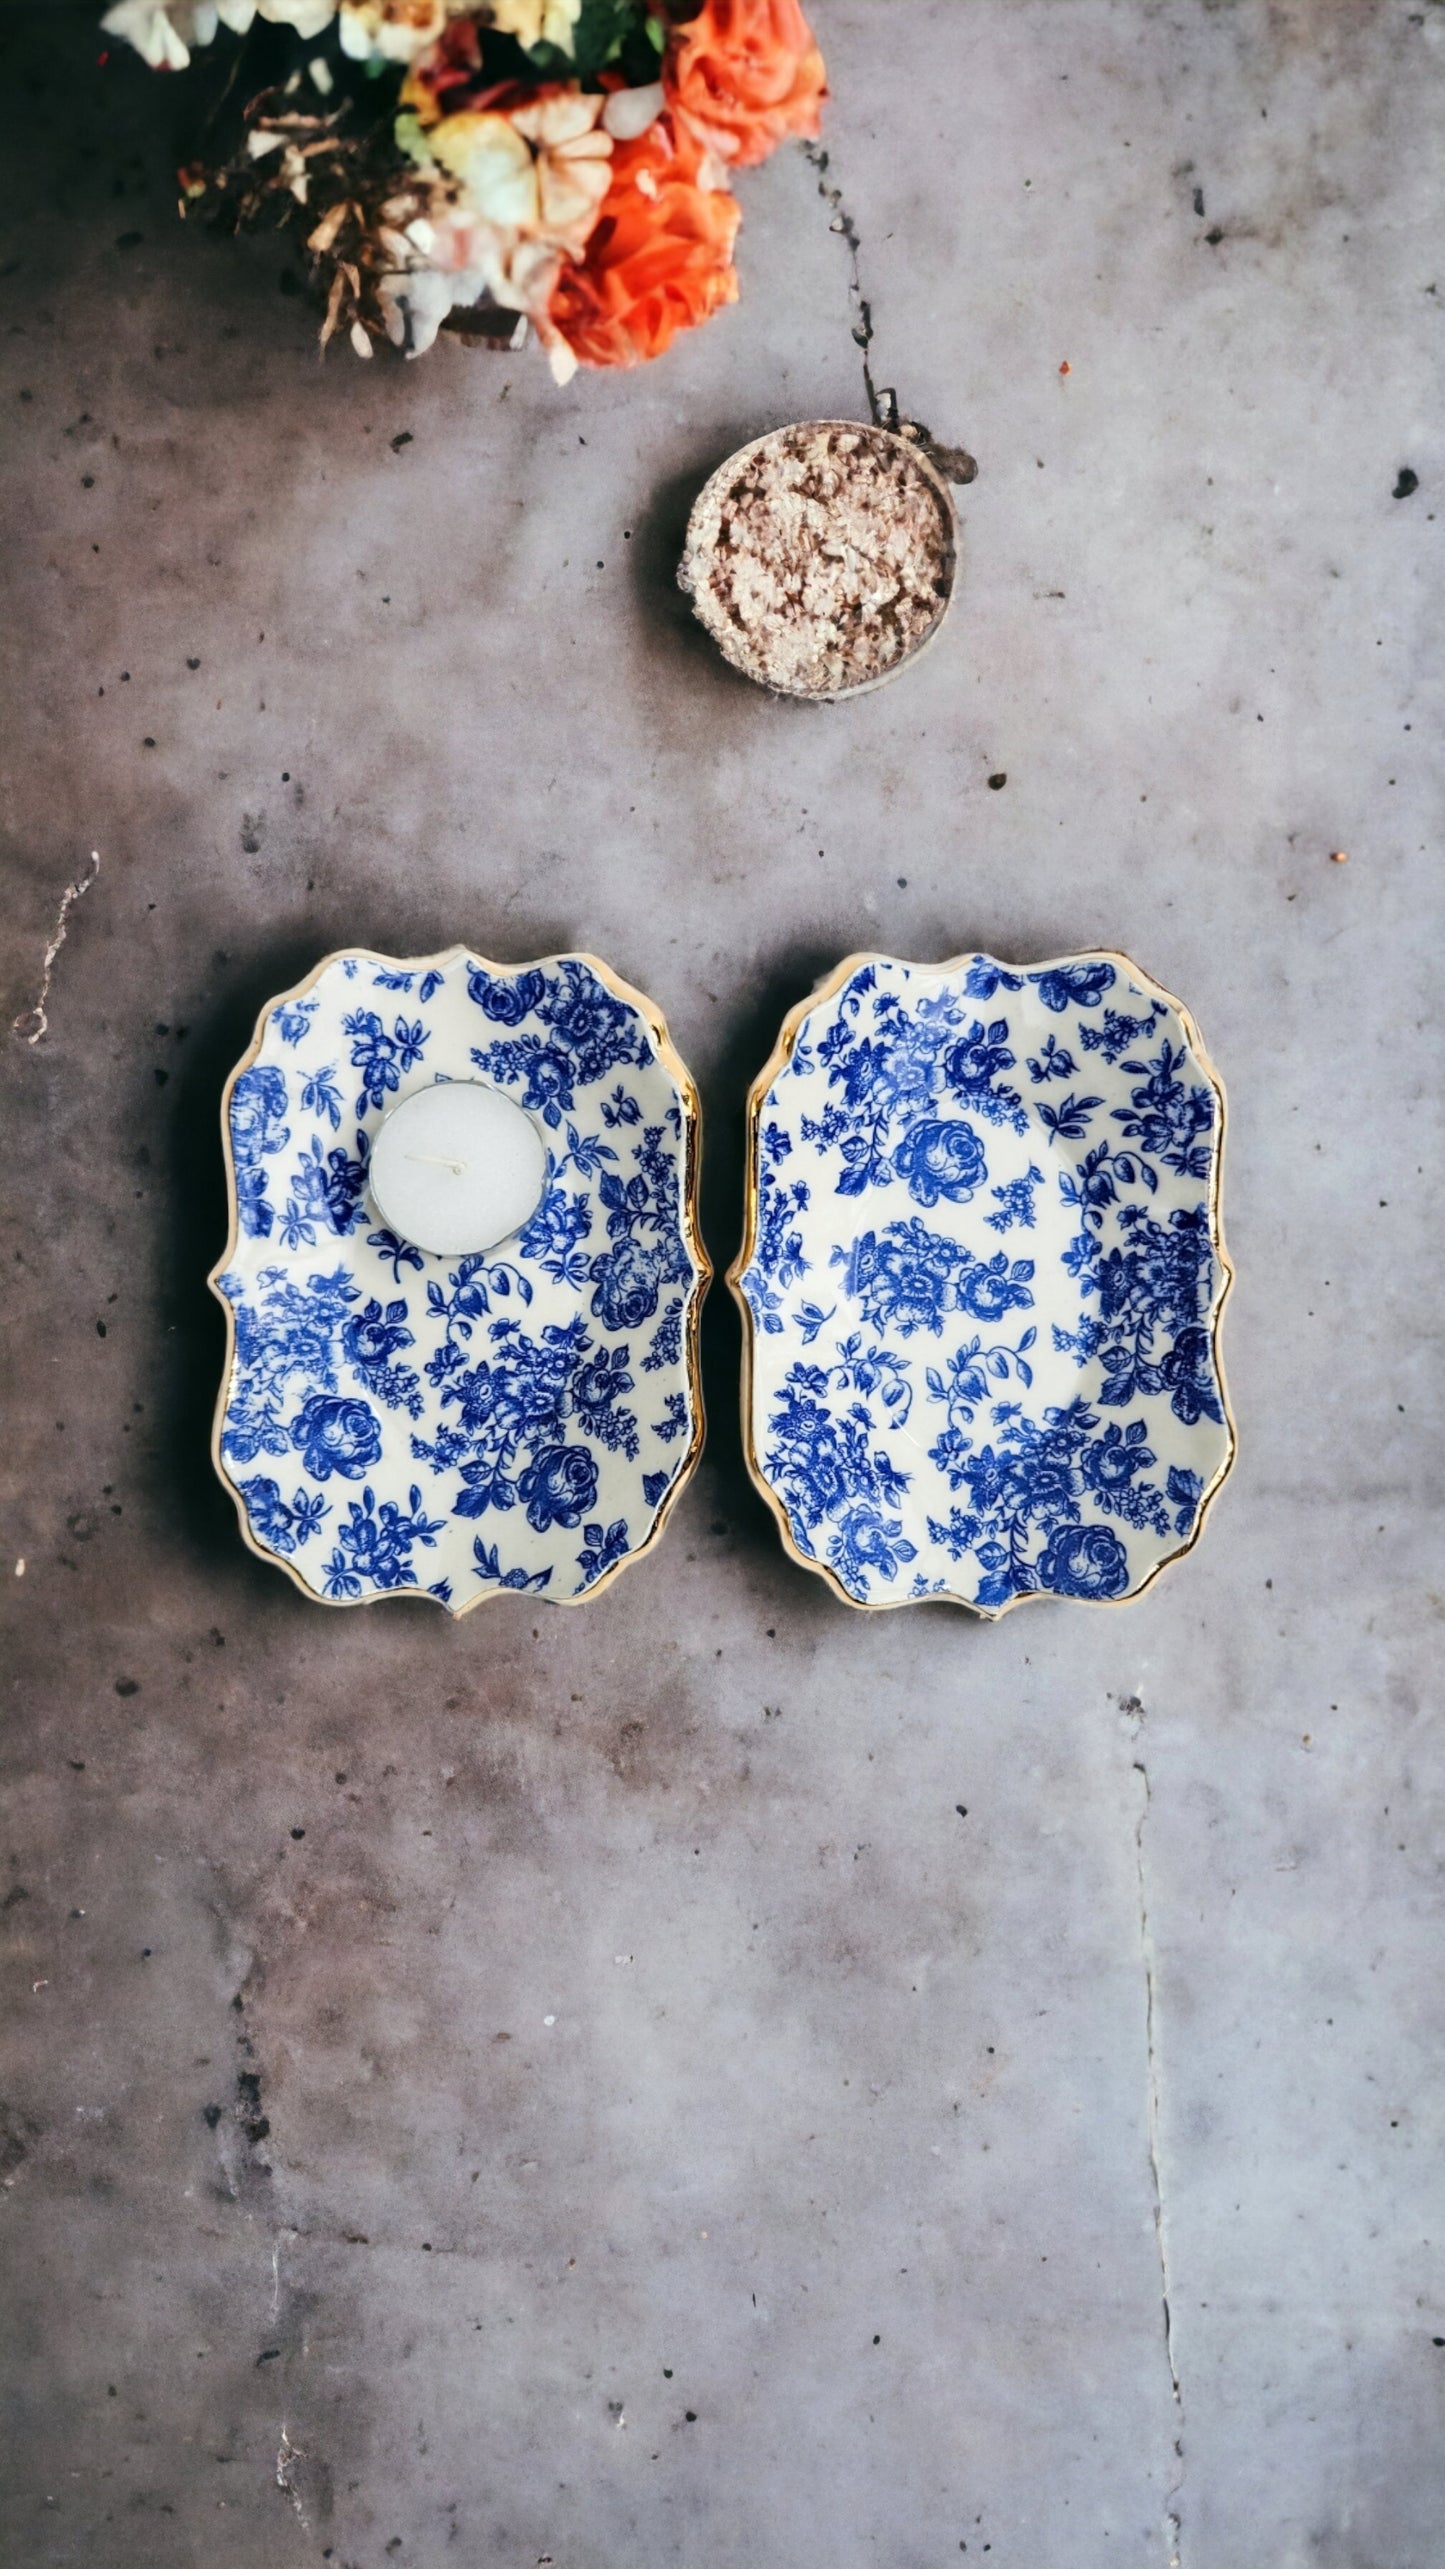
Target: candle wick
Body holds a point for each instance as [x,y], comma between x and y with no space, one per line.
[429,1160]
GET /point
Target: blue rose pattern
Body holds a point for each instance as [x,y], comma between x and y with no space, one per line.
[940,1156]
[258,1132]
[581,1032]
[956,1424]
[386,1398]
[336,1435]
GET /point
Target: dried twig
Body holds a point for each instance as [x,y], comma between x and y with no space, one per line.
[356,193]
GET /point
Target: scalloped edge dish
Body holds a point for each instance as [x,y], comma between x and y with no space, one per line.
[930,1185]
[678,1366]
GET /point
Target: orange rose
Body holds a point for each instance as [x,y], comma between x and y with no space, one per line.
[744,74]
[659,259]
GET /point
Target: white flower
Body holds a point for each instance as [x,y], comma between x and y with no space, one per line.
[392,30]
[537,22]
[540,172]
[163,31]
[628,112]
[453,257]
[488,155]
[529,187]
[308,17]
[415,302]
[460,245]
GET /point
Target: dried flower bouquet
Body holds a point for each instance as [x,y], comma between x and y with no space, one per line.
[562,162]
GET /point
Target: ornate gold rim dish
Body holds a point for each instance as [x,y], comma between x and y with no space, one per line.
[778,1327]
[563,1492]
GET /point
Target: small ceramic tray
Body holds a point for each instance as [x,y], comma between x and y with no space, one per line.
[983,1274]
[452,1427]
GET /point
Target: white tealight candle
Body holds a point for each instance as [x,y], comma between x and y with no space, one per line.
[457,1167]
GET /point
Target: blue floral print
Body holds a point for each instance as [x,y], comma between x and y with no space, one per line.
[965,1422]
[780,1261]
[1076,985]
[830,1470]
[1146,1336]
[584,1032]
[258,1104]
[370,1339]
[1034,1480]
[508,998]
[399,979]
[556,1235]
[974,1070]
[942,1156]
[280,1524]
[983,977]
[408,1396]
[665,1351]
[374,1546]
[625,1278]
[513,1405]
[646,1252]
[381,1057]
[1115,1031]
[321,1095]
[912,1278]
[674,1422]
[1053,1060]
[1015,1200]
[1084,1561]
[559,1486]
[892,1069]
[1069,1120]
[602,1547]
[1168,1116]
[326,1192]
[333,1434]
[289,1336]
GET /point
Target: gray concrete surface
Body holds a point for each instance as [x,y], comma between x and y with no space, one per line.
[576,2087]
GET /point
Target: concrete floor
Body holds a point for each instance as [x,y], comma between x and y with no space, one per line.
[577,2087]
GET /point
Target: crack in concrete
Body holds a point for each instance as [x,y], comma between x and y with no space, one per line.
[35,1018]
[1172,2518]
[286,2454]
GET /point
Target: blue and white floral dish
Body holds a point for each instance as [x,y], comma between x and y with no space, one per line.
[452,1427]
[982,1277]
